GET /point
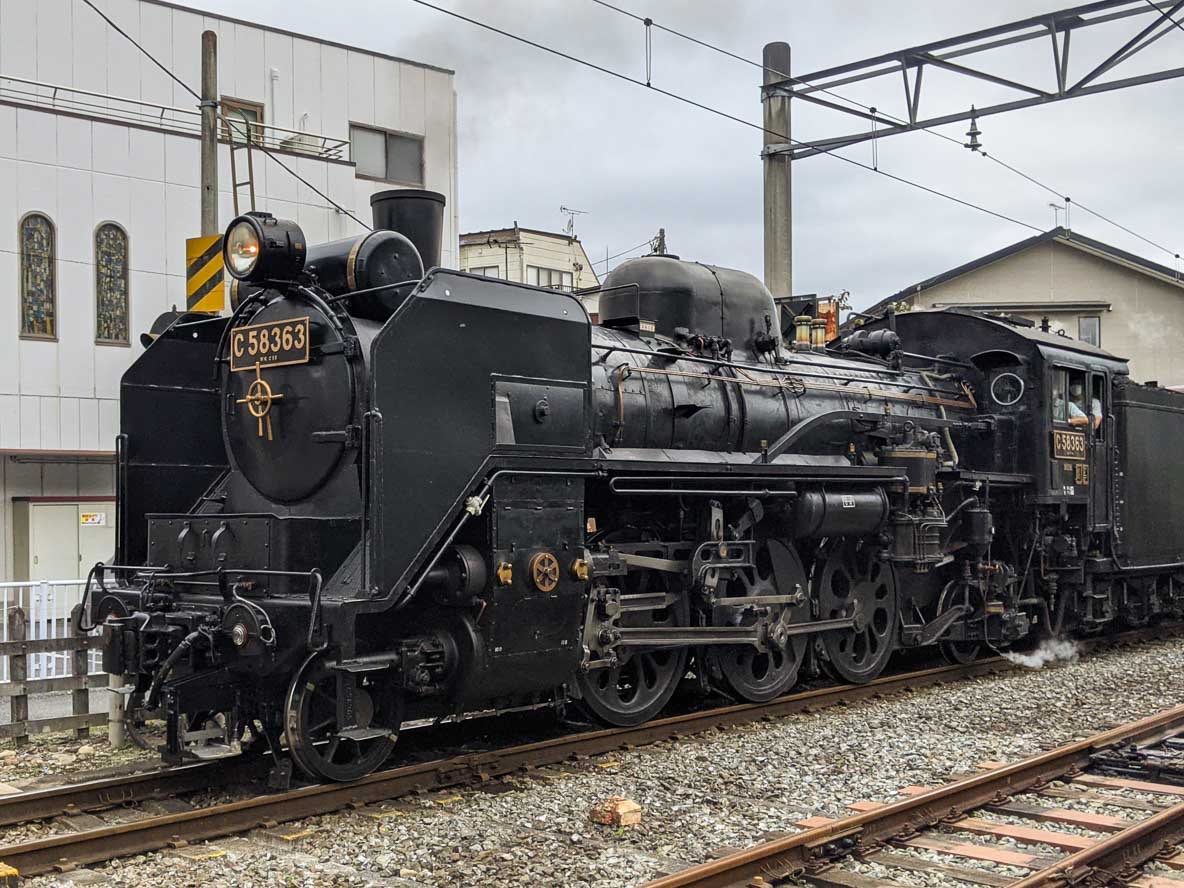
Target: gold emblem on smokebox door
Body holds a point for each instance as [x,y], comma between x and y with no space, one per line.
[258,400]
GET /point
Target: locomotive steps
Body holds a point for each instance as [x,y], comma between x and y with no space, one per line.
[108,842]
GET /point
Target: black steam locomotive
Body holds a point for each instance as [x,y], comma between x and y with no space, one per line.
[376,496]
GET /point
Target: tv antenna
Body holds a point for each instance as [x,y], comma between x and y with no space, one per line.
[570,228]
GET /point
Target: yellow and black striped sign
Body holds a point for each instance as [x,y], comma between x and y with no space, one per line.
[204,274]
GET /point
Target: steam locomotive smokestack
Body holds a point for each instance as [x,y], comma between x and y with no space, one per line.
[417,215]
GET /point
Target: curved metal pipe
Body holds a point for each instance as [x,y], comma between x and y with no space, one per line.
[153,696]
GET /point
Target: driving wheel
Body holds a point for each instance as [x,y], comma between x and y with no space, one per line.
[852,582]
[746,671]
[643,681]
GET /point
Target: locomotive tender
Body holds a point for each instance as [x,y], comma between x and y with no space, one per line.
[375,495]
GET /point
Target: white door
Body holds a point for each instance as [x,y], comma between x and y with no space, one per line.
[53,541]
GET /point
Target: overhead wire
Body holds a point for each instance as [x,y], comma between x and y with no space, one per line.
[608,259]
[228,125]
[650,23]
[718,112]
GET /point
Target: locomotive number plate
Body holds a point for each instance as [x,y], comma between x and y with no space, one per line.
[1068,445]
[270,344]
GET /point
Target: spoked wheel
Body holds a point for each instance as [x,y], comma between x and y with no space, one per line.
[853,582]
[959,653]
[749,673]
[318,745]
[643,682]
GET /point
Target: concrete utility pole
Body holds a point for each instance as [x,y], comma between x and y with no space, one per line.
[209,133]
[661,247]
[778,176]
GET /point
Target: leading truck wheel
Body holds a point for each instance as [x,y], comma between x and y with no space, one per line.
[318,744]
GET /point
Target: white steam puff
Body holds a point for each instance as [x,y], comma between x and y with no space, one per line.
[1051,650]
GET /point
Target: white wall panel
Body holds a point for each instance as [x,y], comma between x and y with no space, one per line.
[277,53]
[10,213]
[156,35]
[89,52]
[108,424]
[182,160]
[7,129]
[226,55]
[54,64]
[315,173]
[387,110]
[51,424]
[75,212]
[16,48]
[146,153]
[59,479]
[112,198]
[314,222]
[334,92]
[9,318]
[10,422]
[30,423]
[111,149]
[361,86]
[36,136]
[123,59]
[149,298]
[146,232]
[281,185]
[68,413]
[306,85]
[37,189]
[76,328]
[187,29]
[250,67]
[412,111]
[88,424]
[182,220]
[39,363]
[74,142]
[110,361]
[96,479]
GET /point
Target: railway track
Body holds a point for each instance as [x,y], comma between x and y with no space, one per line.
[95,845]
[949,820]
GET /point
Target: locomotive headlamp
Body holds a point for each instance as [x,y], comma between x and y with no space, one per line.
[260,247]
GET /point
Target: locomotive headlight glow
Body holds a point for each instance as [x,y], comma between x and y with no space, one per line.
[259,247]
[242,249]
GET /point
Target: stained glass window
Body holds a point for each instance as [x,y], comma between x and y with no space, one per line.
[39,299]
[111,284]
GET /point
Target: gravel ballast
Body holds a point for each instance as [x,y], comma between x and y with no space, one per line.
[725,789]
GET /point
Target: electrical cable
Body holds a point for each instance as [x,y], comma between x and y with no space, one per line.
[197,96]
[891,117]
[607,259]
[724,114]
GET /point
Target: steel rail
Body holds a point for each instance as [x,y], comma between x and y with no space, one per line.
[1113,860]
[62,852]
[798,852]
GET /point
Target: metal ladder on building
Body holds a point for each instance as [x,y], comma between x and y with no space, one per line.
[241,134]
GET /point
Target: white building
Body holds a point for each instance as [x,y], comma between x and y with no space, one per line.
[528,256]
[99,157]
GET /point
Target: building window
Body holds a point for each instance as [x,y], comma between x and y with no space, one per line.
[1089,329]
[489,271]
[548,277]
[111,285]
[240,118]
[39,297]
[391,157]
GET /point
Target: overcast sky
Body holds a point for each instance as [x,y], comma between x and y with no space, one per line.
[537,131]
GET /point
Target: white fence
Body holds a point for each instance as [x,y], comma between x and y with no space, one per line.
[47,604]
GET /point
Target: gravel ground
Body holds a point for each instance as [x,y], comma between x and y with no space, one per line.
[725,789]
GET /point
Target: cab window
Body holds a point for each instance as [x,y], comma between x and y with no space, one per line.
[1070,403]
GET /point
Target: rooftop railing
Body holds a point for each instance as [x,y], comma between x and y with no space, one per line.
[184,121]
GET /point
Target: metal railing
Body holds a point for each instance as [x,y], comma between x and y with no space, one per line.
[185,121]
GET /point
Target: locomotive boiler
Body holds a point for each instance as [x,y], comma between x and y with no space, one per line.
[382,494]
